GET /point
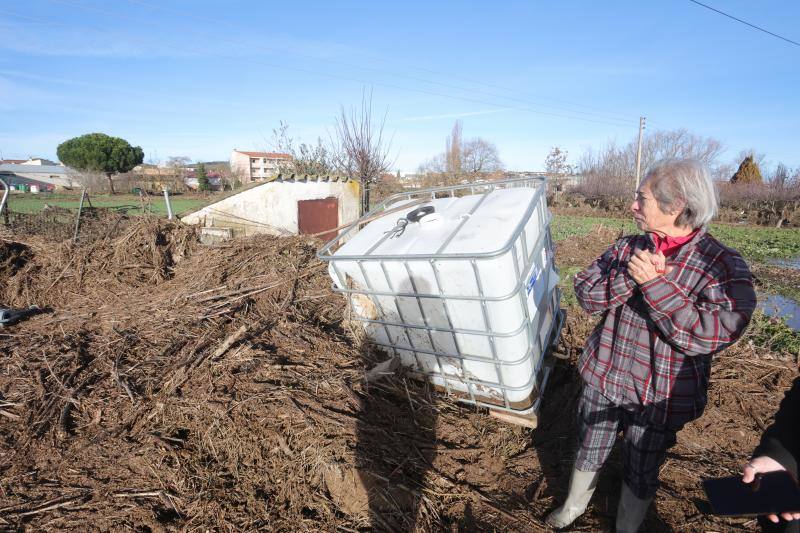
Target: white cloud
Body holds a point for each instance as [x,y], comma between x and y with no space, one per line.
[153,41]
[52,40]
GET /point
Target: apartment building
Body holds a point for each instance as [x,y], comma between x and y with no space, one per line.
[257,166]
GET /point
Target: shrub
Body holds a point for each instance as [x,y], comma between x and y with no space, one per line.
[748,172]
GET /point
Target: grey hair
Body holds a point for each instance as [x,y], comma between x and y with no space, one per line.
[688,182]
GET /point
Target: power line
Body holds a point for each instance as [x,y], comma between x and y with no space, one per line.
[590,110]
[759,28]
[593,113]
[595,119]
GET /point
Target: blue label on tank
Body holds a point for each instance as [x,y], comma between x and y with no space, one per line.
[532,280]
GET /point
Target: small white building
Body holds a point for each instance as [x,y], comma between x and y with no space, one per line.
[257,166]
[284,205]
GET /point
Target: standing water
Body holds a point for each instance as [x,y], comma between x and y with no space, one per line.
[781,306]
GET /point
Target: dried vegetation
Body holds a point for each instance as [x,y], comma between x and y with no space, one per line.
[176,387]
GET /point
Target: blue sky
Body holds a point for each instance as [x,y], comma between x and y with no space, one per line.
[200,77]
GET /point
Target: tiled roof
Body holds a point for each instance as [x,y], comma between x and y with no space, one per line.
[268,155]
[12,161]
[308,177]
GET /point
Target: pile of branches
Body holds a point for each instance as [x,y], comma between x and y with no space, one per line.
[172,386]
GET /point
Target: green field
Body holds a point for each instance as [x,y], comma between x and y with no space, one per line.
[181,204]
[755,243]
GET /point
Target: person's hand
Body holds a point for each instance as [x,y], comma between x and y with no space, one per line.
[762,465]
[659,262]
[645,266]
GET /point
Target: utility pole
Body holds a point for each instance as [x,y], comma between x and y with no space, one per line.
[639,152]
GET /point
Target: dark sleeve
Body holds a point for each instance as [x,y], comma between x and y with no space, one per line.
[781,441]
[604,284]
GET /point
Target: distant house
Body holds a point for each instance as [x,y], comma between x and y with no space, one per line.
[39,161]
[29,161]
[214,180]
[146,169]
[257,166]
[283,205]
[58,176]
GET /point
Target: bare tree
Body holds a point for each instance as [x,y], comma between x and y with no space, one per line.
[306,158]
[283,143]
[312,159]
[479,155]
[178,162]
[435,165]
[611,170]
[360,150]
[176,168]
[92,181]
[454,150]
[556,162]
[780,176]
[462,158]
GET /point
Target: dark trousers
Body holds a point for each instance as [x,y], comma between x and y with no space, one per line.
[644,447]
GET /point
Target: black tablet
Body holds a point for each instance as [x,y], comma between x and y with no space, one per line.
[772,493]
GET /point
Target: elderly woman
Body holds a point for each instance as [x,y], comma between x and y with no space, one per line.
[668,300]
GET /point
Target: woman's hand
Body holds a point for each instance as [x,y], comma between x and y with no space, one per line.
[645,266]
[763,465]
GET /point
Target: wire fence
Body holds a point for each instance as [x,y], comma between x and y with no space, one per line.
[83,223]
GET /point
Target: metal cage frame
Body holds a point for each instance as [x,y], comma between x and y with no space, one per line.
[549,302]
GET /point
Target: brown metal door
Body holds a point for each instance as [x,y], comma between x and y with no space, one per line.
[317,216]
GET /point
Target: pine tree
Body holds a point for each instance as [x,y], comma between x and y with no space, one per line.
[748,172]
[100,153]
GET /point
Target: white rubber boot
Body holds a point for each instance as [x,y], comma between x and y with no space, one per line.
[631,511]
[581,488]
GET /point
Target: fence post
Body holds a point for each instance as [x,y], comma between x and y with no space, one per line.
[78,218]
[3,210]
[169,206]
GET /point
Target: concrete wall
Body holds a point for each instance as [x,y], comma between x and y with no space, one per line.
[272,207]
[240,166]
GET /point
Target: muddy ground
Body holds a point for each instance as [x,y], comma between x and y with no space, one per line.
[173,387]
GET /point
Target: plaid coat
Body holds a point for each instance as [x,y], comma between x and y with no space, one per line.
[654,343]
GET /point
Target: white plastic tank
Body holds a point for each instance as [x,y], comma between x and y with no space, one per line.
[461,288]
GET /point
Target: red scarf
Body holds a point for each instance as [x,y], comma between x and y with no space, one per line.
[669,246]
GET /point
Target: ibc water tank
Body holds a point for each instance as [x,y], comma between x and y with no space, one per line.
[459,283]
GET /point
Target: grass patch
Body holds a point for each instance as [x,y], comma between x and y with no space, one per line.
[773,333]
[33,203]
[759,243]
[568,297]
[565,226]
